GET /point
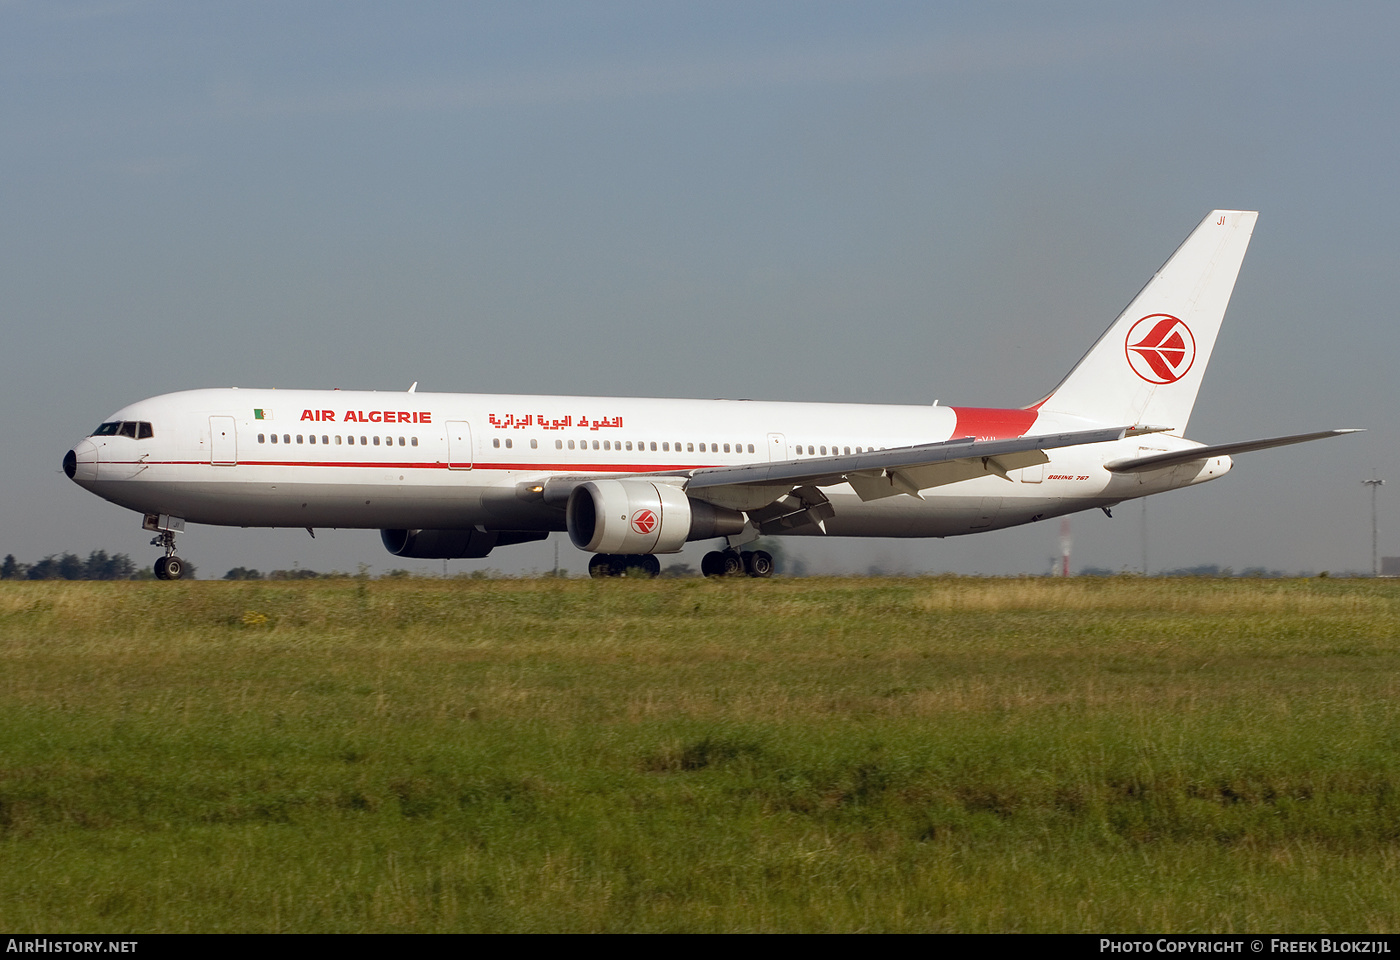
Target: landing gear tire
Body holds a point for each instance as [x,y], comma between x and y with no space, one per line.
[759,564]
[169,568]
[643,566]
[722,563]
[638,566]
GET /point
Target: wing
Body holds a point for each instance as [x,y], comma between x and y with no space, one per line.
[787,493]
[883,473]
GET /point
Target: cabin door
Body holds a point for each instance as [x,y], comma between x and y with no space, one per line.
[223,445]
[459,445]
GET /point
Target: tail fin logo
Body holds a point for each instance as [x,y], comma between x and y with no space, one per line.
[1165,352]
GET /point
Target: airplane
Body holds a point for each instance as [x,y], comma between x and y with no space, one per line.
[444,475]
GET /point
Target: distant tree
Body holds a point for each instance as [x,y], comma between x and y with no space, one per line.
[297,574]
[99,566]
[11,570]
[678,570]
[49,568]
[243,573]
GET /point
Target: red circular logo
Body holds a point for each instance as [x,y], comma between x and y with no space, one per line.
[1160,348]
[644,521]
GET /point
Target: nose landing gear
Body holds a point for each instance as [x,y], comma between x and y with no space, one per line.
[168,567]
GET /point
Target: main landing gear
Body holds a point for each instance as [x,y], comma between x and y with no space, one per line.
[638,566]
[731,563]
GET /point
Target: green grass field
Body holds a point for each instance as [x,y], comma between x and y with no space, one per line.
[946,754]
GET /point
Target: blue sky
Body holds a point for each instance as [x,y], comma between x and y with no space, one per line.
[859,202]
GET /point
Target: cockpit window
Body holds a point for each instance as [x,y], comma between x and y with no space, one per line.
[135,429]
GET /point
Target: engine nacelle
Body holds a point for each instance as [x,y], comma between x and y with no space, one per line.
[439,544]
[638,516]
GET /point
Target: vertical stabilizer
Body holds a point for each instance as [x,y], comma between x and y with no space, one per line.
[1147,368]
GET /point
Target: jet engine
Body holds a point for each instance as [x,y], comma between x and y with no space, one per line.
[452,544]
[638,516]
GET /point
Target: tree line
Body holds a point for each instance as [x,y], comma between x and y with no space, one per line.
[99,565]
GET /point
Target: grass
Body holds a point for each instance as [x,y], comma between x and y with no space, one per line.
[818,755]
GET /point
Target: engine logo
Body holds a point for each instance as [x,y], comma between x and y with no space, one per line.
[1165,352]
[644,521]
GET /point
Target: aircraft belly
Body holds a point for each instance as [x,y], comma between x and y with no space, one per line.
[304,504]
[941,516]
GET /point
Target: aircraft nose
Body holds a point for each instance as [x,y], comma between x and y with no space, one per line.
[80,463]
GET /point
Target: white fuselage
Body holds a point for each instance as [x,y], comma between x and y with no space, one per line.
[437,460]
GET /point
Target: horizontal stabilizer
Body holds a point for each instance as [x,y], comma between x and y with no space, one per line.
[1162,460]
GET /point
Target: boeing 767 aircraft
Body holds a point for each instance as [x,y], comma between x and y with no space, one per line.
[457,475]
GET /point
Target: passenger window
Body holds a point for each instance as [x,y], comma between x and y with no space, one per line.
[325,439]
[363,441]
[128,429]
[509,443]
[496,441]
[413,441]
[558,444]
[274,438]
[262,438]
[690,447]
[534,444]
[286,438]
[665,447]
[653,446]
[403,442]
[337,439]
[607,444]
[750,448]
[595,444]
[571,444]
[300,438]
[144,431]
[311,438]
[629,444]
[350,441]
